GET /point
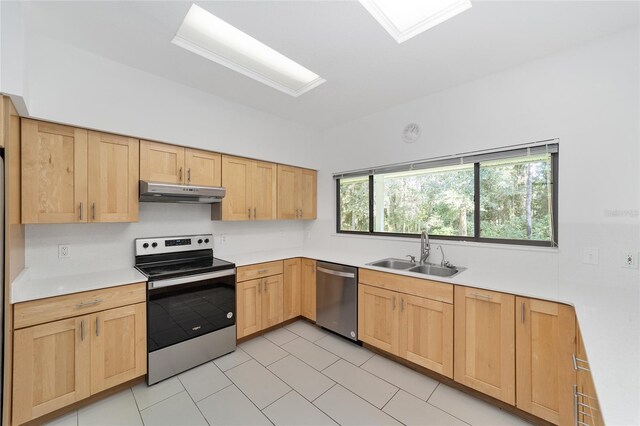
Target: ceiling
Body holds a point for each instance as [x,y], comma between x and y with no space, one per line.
[365,69]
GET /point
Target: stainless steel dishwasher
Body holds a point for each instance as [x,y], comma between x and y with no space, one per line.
[337,298]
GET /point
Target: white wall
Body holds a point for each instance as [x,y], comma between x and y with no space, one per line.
[72,86]
[588,97]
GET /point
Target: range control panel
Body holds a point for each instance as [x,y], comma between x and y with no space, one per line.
[173,244]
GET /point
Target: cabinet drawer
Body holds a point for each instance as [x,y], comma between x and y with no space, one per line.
[415,286]
[71,305]
[259,270]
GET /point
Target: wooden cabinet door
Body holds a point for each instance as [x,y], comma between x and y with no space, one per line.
[272,312]
[545,345]
[203,168]
[51,367]
[160,162]
[118,346]
[426,333]
[308,289]
[292,278]
[248,307]
[264,191]
[485,342]
[236,178]
[54,173]
[379,318]
[288,192]
[308,194]
[113,178]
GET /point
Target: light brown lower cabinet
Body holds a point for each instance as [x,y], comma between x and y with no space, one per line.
[62,362]
[485,342]
[292,278]
[259,302]
[545,346]
[308,289]
[415,328]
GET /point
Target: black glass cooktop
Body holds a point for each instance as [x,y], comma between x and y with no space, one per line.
[181,268]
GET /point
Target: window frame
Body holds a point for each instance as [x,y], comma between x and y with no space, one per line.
[476,215]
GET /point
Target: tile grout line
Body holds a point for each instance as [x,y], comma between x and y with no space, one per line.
[279,398]
[392,396]
[195,403]
[400,387]
[137,406]
[446,412]
[245,395]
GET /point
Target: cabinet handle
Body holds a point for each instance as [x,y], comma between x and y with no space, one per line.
[482,296]
[91,303]
[264,286]
[249,212]
[261,271]
[577,361]
[394,303]
[402,304]
[82,330]
[189,174]
[180,174]
[97,327]
[522,312]
[81,209]
[93,211]
[301,213]
[254,213]
[260,287]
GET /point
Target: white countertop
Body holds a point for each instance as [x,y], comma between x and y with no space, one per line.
[25,288]
[615,369]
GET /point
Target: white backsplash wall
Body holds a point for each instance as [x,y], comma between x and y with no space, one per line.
[104,246]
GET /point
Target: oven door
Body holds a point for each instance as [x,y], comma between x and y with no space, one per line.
[180,309]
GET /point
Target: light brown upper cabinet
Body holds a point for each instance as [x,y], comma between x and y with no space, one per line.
[54,173]
[251,190]
[72,175]
[297,193]
[484,337]
[202,168]
[292,277]
[545,346]
[113,178]
[160,162]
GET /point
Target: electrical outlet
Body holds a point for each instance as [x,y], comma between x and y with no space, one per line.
[590,255]
[63,251]
[630,260]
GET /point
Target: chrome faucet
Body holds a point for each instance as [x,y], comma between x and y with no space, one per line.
[444,263]
[425,247]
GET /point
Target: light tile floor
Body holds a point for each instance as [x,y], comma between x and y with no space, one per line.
[296,375]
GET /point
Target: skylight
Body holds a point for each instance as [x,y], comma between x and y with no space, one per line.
[207,35]
[404,19]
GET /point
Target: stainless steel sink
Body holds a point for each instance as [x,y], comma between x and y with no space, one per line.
[425,269]
[436,270]
[393,263]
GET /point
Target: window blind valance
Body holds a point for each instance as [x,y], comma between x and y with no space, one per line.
[549,146]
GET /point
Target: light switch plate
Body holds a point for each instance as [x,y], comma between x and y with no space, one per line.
[590,255]
[630,260]
[64,251]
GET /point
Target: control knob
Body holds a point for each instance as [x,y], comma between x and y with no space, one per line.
[154,245]
[200,241]
[145,245]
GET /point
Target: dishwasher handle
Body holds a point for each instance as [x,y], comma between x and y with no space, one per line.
[337,273]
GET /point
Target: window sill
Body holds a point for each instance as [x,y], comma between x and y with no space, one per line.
[499,246]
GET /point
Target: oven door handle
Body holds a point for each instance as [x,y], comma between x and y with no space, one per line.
[190,279]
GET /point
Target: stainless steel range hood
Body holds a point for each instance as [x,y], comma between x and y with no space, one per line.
[170,193]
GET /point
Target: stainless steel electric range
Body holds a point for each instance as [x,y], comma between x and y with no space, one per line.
[191,303]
